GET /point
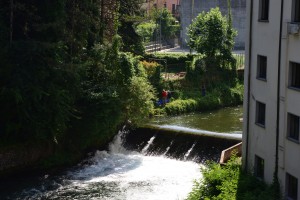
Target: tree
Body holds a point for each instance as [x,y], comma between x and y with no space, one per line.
[167,22]
[213,36]
[130,12]
[146,30]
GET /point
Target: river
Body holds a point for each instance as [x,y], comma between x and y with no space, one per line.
[120,174]
[226,120]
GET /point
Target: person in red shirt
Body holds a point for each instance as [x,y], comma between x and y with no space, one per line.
[164,95]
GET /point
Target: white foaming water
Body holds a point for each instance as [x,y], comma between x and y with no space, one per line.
[189,151]
[123,175]
[168,148]
[144,150]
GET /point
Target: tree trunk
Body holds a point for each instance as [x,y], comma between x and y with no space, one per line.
[11,21]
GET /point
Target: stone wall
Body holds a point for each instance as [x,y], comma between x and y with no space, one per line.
[238,10]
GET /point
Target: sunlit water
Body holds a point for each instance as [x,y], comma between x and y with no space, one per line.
[118,174]
[226,120]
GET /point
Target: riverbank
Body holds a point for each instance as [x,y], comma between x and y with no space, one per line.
[193,101]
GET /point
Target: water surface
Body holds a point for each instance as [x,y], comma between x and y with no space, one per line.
[226,120]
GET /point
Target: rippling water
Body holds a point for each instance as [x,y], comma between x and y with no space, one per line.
[117,174]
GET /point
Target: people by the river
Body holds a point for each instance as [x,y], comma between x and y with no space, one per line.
[164,95]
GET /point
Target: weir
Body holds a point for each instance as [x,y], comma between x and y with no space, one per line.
[122,173]
[179,142]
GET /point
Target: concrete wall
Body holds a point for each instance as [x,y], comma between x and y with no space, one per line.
[238,8]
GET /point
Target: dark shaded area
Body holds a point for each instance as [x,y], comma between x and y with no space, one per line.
[205,148]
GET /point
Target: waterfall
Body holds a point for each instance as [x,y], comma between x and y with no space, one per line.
[168,148]
[189,151]
[117,145]
[117,174]
[145,149]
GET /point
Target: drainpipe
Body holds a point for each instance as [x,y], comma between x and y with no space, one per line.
[249,84]
[193,9]
[278,94]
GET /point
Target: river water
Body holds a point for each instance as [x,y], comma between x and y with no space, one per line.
[226,120]
[116,174]
[119,174]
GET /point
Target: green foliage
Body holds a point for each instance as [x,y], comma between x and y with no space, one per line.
[164,18]
[208,33]
[172,58]
[146,30]
[153,70]
[129,13]
[209,102]
[229,182]
[57,74]
[180,106]
[217,96]
[229,95]
[207,71]
[211,35]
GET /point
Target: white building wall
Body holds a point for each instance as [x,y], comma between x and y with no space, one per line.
[290,103]
[262,141]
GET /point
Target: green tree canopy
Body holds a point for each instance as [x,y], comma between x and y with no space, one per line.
[211,34]
[163,17]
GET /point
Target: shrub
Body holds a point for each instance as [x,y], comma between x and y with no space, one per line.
[181,106]
[172,58]
[209,102]
[230,182]
[146,30]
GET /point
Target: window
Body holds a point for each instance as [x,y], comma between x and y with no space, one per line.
[260,113]
[291,187]
[262,67]
[296,11]
[263,10]
[295,75]
[293,127]
[259,166]
[173,9]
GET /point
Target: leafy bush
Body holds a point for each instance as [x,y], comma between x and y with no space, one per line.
[167,21]
[216,97]
[146,30]
[172,58]
[181,106]
[229,182]
[209,102]
[229,95]
[211,34]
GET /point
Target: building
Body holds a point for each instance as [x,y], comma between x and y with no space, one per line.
[272,93]
[171,5]
[189,9]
